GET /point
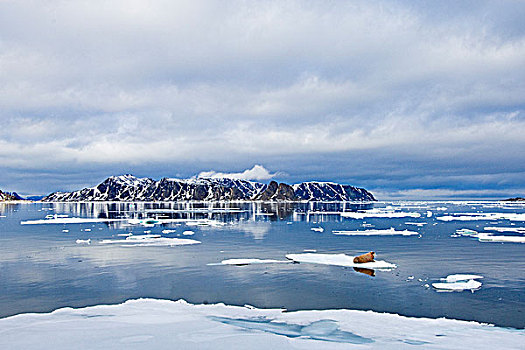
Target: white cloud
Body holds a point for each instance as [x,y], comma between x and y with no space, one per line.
[258,172]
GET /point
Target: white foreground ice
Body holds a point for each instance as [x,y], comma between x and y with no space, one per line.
[338,260]
[150,241]
[376,213]
[163,324]
[387,232]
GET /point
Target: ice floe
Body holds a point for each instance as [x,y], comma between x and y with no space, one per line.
[317,229]
[168,231]
[240,262]
[149,241]
[419,224]
[66,220]
[338,260]
[461,277]
[188,233]
[489,237]
[83,241]
[164,324]
[471,285]
[482,216]
[506,229]
[387,232]
[376,213]
[459,282]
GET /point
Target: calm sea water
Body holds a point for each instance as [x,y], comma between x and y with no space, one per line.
[42,268]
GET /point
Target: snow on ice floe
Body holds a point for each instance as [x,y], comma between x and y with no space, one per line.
[241,262]
[459,282]
[149,241]
[387,232]
[165,324]
[338,260]
[482,216]
[377,213]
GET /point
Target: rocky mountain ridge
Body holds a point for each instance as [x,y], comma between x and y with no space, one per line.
[131,188]
[7,196]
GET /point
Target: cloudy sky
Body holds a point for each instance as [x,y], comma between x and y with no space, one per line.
[409,99]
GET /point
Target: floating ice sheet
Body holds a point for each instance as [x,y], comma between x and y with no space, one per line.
[489,237]
[251,262]
[461,277]
[506,229]
[163,324]
[338,260]
[149,241]
[486,237]
[482,216]
[458,286]
[387,232]
[375,213]
[60,220]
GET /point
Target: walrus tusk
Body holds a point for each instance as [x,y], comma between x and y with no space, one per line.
[368,257]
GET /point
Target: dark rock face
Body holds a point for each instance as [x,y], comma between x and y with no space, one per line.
[131,188]
[516,199]
[7,196]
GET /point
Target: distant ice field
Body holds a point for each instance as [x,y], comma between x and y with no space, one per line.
[88,254]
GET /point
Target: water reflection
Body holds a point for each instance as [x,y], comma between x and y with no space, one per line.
[217,211]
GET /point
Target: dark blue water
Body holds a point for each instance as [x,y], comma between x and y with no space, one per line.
[42,268]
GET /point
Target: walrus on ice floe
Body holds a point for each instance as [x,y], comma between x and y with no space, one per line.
[368,257]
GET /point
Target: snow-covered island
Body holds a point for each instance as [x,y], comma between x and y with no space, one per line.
[131,188]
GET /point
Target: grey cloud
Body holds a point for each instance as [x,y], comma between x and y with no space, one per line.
[376,89]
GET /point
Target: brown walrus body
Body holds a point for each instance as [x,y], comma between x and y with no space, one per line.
[368,257]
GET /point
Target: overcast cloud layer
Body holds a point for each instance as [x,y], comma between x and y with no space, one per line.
[408,100]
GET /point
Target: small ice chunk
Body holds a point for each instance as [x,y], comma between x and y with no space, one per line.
[418,224]
[188,233]
[458,286]
[87,230]
[429,214]
[168,231]
[317,229]
[83,241]
[66,231]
